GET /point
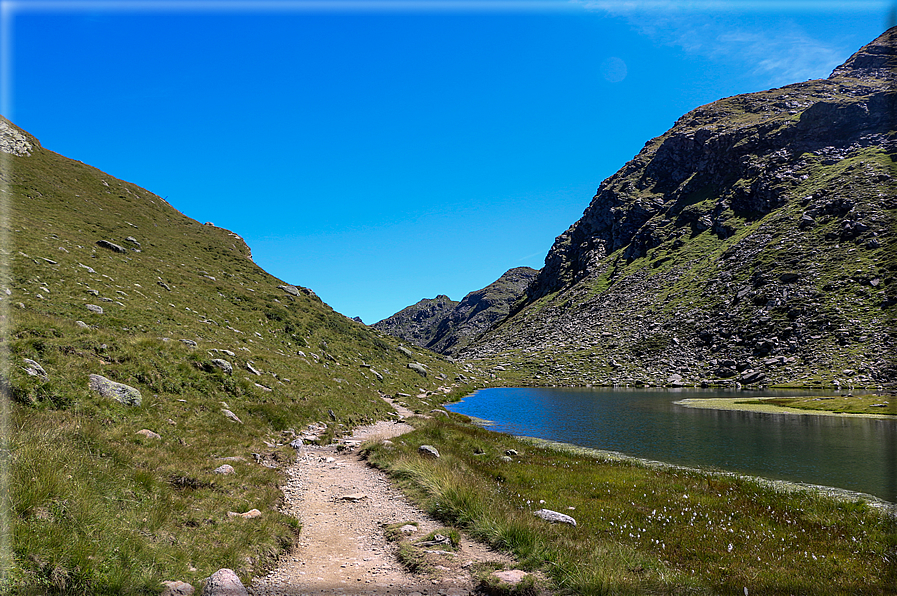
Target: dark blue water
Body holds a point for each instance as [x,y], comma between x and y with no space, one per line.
[858,454]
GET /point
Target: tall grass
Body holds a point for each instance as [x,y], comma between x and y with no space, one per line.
[640,529]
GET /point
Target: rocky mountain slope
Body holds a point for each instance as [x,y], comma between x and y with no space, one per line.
[446,327]
[753,242]
[159,381]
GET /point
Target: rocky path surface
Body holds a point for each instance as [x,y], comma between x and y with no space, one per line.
[344,506]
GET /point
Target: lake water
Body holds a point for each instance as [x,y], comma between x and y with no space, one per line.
[858,454]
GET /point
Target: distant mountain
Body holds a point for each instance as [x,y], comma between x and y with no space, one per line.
[753,242]
[445,326]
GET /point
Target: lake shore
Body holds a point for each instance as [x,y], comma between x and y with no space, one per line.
[731,403]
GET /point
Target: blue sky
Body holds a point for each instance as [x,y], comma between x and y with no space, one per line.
[384,152]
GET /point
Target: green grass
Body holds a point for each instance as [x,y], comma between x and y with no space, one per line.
[643,530]
[843,404]
[96,508]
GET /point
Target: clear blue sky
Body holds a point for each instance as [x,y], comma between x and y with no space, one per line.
[384,152]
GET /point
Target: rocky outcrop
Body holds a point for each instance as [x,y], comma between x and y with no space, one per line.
[446,326]
[417,323]
[755,235]
[124,394]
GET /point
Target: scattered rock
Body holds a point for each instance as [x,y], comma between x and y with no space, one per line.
[189,342]
[511,453]
[510,578]
[149,434]
[164,285]
[111,246]
[418,368]
[296,443]
[133,240]
[82,324]
[177,588]
[35,370]
[506,458]
[224,582]
[291,290]
[224,469]
[253,369]
[353,498]
[428,451]
[224,365]
[95,309]
[120,392]
[251,514]
[439,411]
[554,517]
[406,351]
[408,529]
[231,415]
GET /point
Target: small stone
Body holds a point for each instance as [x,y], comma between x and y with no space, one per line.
[554,517]
[509,578]
[354,498]
[95,309]
[251,514]
[189,342]
[224,582]
[35,370]
[253,369]
[120,392]
[231,415]
[511,453]
[148,434]
[111,246]
[82,324]
[224,469]
[408,529]
[177,588]
[224,365]
[428,451]
[296,443]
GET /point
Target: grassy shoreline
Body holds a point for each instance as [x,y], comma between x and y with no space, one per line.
[642,528]
[799,406]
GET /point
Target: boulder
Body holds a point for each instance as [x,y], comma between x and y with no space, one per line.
[82,324]
[751,376]
[428,451]
[120,392]
[554,517]
[98,310]
[224,365]
[111,246]
[291,290]
[224,582]
[224,469]
[406,351]
[35,370]
[189,342]
[418,368]
[511,453]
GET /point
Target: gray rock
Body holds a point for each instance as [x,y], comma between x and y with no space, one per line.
[418,368]
[35,370]
[751,376]
[120,392]
[509,578]
[133,240]
[554,517]
[291,290]
[406,351]
[376,374]
[506,458]
[111,246]
[177,588]
[440,412]
[224,469]
[231,415]
[224,582]
[253,369]
[224,365]
[164,285]
[95,309]
[428,451]
[149,434]
[189,342]
[296,443]
[82,324]
[511,453]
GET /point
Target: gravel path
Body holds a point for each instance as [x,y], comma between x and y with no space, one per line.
[343,505]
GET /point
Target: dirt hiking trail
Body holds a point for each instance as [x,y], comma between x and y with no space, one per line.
[344,506]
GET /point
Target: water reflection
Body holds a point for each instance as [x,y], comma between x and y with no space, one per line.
[853,453]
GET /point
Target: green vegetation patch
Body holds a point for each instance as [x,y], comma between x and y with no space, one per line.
[639,529]
[844,404]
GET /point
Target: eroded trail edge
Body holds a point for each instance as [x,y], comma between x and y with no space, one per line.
[344,506]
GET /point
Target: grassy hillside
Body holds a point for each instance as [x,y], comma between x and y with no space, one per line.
[94,506]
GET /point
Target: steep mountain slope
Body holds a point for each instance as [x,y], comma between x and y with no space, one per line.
[417,323]
[446,327]
[104,278]
[751,242]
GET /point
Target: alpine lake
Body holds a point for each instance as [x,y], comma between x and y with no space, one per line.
[851,453]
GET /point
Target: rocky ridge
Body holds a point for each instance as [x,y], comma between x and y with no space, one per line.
[751,243]
[446,327]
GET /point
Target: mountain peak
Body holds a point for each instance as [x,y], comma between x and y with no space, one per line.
[877,59]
